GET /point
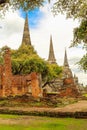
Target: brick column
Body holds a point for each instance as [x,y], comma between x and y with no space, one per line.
[36,88]
[7,74]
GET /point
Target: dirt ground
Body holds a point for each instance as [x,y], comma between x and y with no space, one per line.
[79,106]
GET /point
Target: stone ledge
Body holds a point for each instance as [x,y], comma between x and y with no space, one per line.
[57,114]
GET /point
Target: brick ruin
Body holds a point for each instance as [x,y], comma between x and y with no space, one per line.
[70,83]
[12,85]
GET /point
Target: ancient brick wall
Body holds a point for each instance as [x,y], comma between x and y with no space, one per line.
[17,85]
[12,85]
[21,84]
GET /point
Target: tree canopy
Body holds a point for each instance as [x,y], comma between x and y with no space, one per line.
[76,9]
[24,4]
[72,8]
[83,62]
[80,34]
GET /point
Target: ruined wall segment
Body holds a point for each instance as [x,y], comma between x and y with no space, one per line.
[7,73]
[36,88]
[12,85]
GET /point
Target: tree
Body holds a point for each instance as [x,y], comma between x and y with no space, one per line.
[72,8]
[3,2]
[80,34]
[52,72]
[24,4]
[76,9]
[83,62]
[25,60]
[21,58]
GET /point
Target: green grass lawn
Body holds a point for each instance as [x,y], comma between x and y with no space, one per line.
[13,122]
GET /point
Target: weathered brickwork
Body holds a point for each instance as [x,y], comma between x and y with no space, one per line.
[12,85]
[69,91]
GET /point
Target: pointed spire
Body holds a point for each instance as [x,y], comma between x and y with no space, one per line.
[26,34]
[51,58]
[66,60]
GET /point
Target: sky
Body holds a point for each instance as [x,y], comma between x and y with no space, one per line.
[42,24]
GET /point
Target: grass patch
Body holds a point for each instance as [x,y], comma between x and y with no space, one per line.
[7,116]
[41,123]
[85,95]
[11,127]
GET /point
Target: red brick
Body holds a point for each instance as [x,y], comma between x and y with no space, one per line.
[13,85]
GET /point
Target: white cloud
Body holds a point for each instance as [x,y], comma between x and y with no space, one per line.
[12,29]
[60,28]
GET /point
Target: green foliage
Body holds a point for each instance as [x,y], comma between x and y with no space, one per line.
[83,62]
[76,9]
[80,34]
[2,51]
[1,60]
[24,4]
[28,65]
[72,8]
[53,71]
[25,60]
[28,4]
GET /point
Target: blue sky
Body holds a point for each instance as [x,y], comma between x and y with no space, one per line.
[34,16]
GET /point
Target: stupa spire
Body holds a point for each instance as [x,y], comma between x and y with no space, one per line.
[66,60]
[26,33]
[51,58]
